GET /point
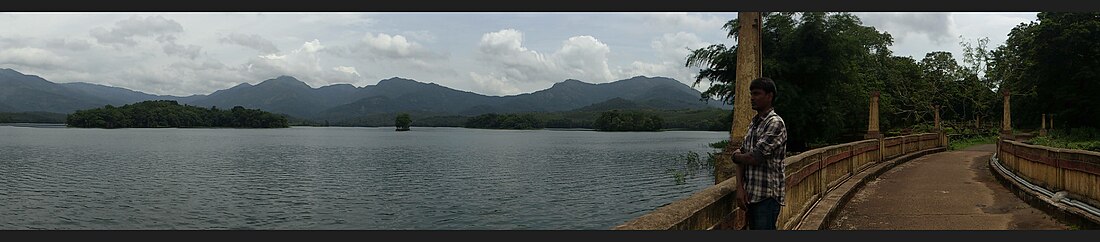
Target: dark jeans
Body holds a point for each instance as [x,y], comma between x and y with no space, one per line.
[762,215]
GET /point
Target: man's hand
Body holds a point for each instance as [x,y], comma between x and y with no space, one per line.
[742,197]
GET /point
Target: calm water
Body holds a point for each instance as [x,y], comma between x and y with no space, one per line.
[337,178]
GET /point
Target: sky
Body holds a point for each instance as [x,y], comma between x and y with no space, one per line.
[488,53]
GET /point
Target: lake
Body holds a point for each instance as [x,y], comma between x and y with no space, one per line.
[338,178]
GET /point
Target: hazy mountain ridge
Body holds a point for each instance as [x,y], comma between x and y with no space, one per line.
[288,95]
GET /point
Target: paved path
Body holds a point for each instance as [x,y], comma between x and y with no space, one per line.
[951,190]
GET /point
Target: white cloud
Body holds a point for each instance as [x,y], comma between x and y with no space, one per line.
[677,46]
[387,48]
[584,57]
[32,57]
[493,84]
[395,46]
[347,69]
[580,57]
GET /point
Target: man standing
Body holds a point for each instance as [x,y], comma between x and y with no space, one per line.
[761,159]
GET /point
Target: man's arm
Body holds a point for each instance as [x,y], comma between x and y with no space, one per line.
[775,135]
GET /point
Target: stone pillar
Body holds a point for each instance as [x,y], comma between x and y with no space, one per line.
[1043,129]
[748,68]
[939,128]
[1052,122]
[1006,121]
[872,118]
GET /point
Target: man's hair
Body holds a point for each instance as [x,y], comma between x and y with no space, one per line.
[765,84]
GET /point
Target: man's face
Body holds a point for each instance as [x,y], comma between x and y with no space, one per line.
[760,99]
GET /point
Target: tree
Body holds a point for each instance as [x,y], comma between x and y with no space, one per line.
[402,122]
[825,65]
[1050,66]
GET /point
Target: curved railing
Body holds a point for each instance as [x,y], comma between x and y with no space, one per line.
[808,176]
[1075,171]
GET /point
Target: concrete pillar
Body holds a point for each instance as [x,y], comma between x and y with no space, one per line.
[1043,129]
[939,127]
[748,68]
[1006,121]
[872,118]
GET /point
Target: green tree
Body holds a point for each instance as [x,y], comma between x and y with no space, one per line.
[1050,66]
[403,121]
[825,66]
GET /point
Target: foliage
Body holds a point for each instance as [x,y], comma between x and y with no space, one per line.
[826,65]
[712,119]
[972,141]
[1050,66]
[505,121]
[403,121]
[1077,138]
[32,117]
[616,120]
[167,113]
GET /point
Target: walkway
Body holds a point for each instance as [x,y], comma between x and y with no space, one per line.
[952,190]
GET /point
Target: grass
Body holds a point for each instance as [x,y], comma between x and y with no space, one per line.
[1077,139]
[972,141]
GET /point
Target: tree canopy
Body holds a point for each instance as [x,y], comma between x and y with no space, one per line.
[826,65]
[1050,66]
[167,113]
[403,121]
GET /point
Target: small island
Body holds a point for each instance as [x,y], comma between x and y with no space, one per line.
[403,121]
[170,114]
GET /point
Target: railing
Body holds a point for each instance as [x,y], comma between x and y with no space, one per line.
[808,176]
[1074,171]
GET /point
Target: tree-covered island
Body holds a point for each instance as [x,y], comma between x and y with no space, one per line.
[170,114]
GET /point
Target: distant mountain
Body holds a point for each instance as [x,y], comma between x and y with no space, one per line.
[404,95]
[283,94]
[123,96]
[288,95]
[29,93]
[571,94]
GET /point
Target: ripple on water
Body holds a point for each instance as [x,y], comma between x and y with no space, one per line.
[336,178]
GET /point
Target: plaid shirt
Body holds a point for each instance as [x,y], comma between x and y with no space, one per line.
[766,141]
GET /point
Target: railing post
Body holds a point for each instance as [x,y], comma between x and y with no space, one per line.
[872,125]
[1006,121]
[1043,129]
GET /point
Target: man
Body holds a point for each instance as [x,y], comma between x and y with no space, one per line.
[761,159]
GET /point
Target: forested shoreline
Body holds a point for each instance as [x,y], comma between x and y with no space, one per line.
[170,114]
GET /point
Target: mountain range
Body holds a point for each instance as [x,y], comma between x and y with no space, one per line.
[288,95]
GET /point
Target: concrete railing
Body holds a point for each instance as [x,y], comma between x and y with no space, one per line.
[1075,171]
[808,176]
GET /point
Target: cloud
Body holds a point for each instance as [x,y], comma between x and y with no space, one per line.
[347,69]
[189,51]
[493,84]
[68,44]
[135,26]
[387,48]
[253,41]
[584,57]
[677,46]
[935,27]
[32,57]
[516,67]
[304,63]
[679,21]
